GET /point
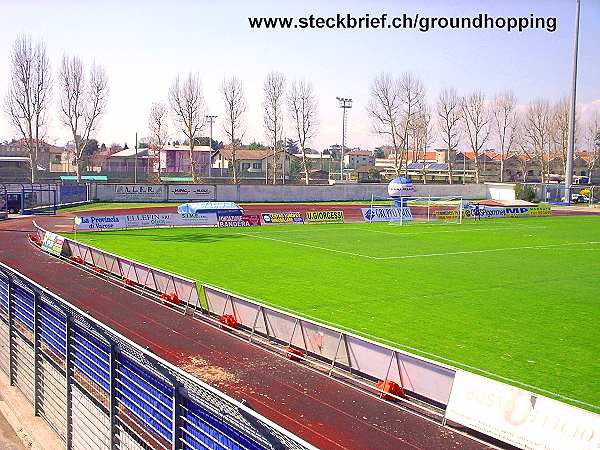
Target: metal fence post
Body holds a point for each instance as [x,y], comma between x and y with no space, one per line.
[68,382]
[112,401]
[36,351]
[11,292]
[176,444]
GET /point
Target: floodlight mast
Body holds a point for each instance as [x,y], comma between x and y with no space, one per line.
[571,143]
[211,120]
[345,103]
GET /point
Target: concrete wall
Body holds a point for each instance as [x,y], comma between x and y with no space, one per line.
[295,193]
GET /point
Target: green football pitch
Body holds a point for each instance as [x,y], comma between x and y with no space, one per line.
[515,299]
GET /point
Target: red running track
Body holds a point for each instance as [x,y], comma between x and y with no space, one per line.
[322,411]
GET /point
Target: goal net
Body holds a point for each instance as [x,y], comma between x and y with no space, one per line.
[408,210]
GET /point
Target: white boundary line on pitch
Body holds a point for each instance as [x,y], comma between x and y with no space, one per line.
[399,234]
[256,236]
[425,255]
[423,352]
[468,252]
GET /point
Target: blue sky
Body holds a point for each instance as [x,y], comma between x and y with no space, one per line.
[144,45]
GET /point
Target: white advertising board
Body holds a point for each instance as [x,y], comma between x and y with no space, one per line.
[138,192]
[185,192]
[383,214]
[520,418]
[146,221]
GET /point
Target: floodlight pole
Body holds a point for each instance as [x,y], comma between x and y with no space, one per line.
[135,161]
[211,120]
[345,103]
[571,143]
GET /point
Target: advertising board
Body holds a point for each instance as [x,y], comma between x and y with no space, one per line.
[146,221]
[138,192]
[191,192]
[238,220]
[325,216]
[531,211]
[282,217]
[518,417]
[53,243]
[485,212]
[386,214]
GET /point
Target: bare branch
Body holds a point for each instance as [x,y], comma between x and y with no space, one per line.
[273,103]
[82,102]
[28,95]
[234,101]
[476,120]
[448,111]
[187,106]
[303,106]
[385,109]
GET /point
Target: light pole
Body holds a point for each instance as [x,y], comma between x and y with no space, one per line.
[571,144]
[211,120]
[345,103]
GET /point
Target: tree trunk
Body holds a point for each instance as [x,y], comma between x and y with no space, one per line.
[449,166]
[192,163]
[502,167]
[476,168]
[305,164]
[275,165]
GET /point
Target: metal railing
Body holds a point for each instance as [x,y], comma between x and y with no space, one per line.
[99,390]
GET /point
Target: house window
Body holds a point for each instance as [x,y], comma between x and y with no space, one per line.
[245,166]
[257,165]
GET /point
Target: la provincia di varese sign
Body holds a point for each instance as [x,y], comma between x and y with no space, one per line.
[520,418]
[146,221]
[386,214]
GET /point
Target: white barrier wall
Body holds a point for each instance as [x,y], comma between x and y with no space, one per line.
[287,193]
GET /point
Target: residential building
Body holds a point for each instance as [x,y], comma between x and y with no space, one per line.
[355,158]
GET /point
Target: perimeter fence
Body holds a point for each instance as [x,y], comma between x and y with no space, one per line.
[99,390]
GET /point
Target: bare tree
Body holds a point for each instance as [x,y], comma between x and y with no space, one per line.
[592,138]
[302,104]
[412,96]
[448,112]
[82,102]
[476,120]
[273,103]
[559,131]
[505,124]
[28,94]
[235,108]
[522,145]
[422,136]
[159,130]
[536,134]
[187,106]
[385,108]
